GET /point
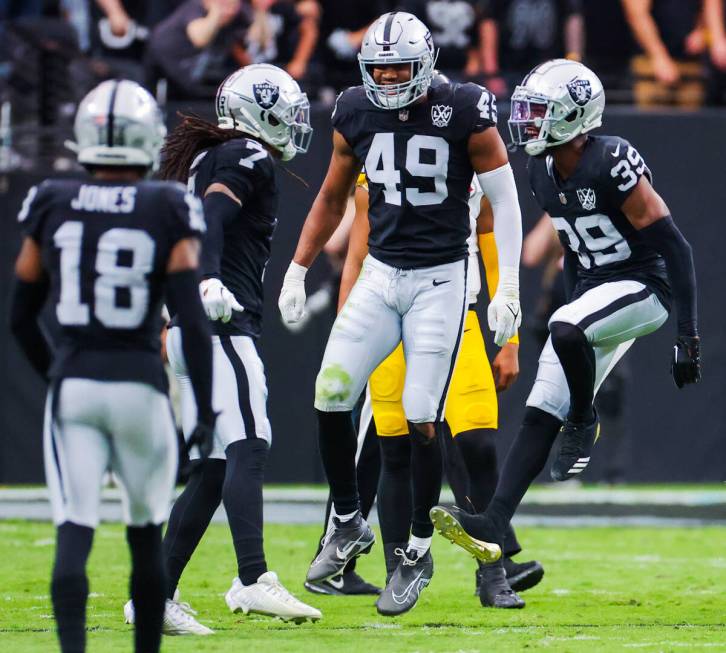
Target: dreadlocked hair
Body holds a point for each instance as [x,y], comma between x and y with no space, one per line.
[192,135]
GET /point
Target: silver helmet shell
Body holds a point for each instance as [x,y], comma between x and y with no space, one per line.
[263,101]
[394,38]
[557,101]
[119,124]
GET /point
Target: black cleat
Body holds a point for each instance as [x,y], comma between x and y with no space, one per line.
[523,576]
[495,591]
[476,534]
[577,440]
[346,541]
[403,589]
[348,584]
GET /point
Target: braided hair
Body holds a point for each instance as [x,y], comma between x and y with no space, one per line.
[192,135]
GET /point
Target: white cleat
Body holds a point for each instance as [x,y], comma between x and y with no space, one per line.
[270,598]
[178,618]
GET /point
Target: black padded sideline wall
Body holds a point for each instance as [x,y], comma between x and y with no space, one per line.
[674,436]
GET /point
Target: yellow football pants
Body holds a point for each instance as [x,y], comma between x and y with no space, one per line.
[472,400]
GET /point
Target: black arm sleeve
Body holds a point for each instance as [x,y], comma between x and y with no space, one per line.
[219,210]
[666,239]
[26,302]
[183,293]
[570,273]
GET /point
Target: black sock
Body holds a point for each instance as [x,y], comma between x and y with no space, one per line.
[69,585]
[577,358]
[478,449]
[455,468]
[337,449]
[148,585]
[479,452]
[395,502]
[242,497]
[426,472]
[526,458]
[190,516]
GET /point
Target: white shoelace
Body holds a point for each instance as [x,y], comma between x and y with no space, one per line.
[278,590]
[182,611]
[405,559]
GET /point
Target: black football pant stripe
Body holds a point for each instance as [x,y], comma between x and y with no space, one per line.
[455,351]
[53,426]
[614,307]
[243,386]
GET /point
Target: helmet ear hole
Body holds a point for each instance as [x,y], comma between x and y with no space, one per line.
[272,120]
[573,115]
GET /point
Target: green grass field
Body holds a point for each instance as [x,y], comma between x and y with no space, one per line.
[605,589]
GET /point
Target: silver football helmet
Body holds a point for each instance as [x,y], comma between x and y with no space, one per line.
[558,100]
[397,37]
[265,102]
[118,124]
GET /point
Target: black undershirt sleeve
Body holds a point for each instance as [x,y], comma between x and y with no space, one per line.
[219,211]
[666,239]
[26,302]
[570,273]
[183,293]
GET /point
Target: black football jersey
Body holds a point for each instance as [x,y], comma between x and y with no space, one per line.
[586,211]
[248,170]
[417,164]
[106,246]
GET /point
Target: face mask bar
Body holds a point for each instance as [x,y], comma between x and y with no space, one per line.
[298,119]
[397,96]
[531,117]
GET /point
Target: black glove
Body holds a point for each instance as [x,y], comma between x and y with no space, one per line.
[686,363]
[203,435]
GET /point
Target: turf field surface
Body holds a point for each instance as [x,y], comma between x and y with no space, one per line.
[605,589]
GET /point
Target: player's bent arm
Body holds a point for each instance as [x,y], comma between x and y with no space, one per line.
[322,220]
[329,206]
[357,246]
[182,289]
[27,298]
[488,156]
[221,206]
[648,213]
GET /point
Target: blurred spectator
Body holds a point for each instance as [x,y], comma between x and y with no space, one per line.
[454,26]
[193,47]
[713,20]
[517,35]
[119,31]
[671,36]
[609,48]
[342,27]
[283,33]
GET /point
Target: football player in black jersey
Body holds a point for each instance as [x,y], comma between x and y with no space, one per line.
[420,146]
[106,250]
[262,116]
[624,261]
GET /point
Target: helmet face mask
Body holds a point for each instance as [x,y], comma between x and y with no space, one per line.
[397,38]
[118,124]
[265,102]
[556,102]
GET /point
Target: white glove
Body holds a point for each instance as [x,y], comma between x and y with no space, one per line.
[292,295]
[504,313]
[218,302]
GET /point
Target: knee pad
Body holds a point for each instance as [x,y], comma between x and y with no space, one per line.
[566,334]
[386,388]
[419,404]
[334,389]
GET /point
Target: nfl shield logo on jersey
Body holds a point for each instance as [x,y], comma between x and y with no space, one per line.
[441,115]
[587,198]
[266,94]
[580,91]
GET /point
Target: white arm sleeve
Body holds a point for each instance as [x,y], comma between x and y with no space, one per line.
[501,191]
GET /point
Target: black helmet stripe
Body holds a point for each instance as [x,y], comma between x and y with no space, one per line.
[109,121]
[387,31]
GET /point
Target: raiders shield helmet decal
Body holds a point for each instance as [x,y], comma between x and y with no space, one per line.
[266,94]
[580,91]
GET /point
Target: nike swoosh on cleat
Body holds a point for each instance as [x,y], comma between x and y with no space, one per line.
[337,584]
[616,153]
[403,597]
[439,283]
[343,553]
